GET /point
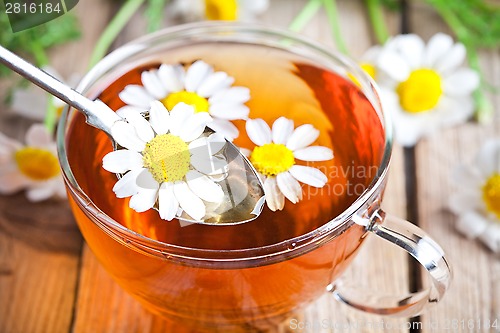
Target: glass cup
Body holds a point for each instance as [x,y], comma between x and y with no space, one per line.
[254,288]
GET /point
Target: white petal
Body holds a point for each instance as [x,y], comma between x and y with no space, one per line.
[204,187]
[12,182]
[196,74]
[8,145]
[229,111]
[153,84]
[127,185]
[167,202]
[394,65]
[126,136]
[225,128]
[172,77]
[37,136]
[159,118]
[136,95]
[258,131]
[471,224]
[491,237]
[488,158]
[313,154]
[255,7]
[462,202]
[179,116]
[289,186]
[302,137]
[144,200]
[233,95]
[195,126]
[282,129]
[41,192]
[121,161]
[439,45]
[274,198]
[216,82]
[371,55]
[411,47]
[142,126]
[462,82]
[188,201]
[30,103]
[467,177]
[452,60]
[308,175]
[127,109]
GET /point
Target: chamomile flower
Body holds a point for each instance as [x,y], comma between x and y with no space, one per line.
[163,162]
[477,205]
[427,89]
[33,167]
[275,155]
[199,86]
[226,10]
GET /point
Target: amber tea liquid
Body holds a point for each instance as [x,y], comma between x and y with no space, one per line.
[280,84]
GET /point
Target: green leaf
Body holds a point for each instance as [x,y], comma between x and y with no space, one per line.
[34,43]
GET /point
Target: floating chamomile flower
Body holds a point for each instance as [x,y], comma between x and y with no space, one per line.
[163,163]
[477,205]
[199,85]
[275,155]
[427,89]
[225,10]
[33,167]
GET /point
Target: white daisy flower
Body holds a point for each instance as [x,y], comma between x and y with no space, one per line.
[226,10]
[478,203]
[33,167]
[428,90]
[199,86]
[275,157]
[163,162]
[32,102]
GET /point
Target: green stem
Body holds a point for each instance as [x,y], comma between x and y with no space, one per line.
[50,115]
[484,109]
[333,18]
[113,29]
[307,13]
[377,19]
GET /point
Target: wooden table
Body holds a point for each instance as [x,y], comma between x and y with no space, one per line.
[51,282]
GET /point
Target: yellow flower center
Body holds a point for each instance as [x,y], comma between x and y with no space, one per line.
[491,194]
[167,157]
[369,69]
[199,103]
[226,10]
[37,164]
[421,91]
[272,159]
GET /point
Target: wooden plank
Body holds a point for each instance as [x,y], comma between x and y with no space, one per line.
[40,244]
[475,290]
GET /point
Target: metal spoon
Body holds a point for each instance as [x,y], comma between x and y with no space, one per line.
[243,189]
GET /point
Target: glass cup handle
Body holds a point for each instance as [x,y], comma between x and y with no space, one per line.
[420,246]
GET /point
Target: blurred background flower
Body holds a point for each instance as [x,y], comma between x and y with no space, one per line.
[477,203]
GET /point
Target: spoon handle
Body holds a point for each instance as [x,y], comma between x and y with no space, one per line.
[98,114]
